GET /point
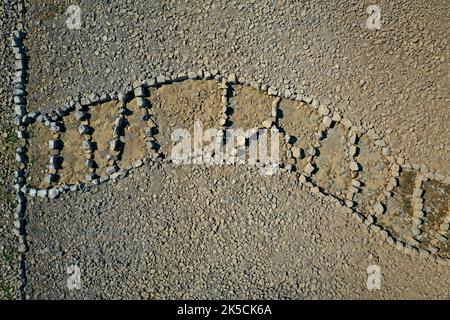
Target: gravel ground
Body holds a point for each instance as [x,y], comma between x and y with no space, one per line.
[396,78]
[144,237]
[177,232]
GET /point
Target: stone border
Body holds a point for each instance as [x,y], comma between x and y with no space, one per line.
[20,110]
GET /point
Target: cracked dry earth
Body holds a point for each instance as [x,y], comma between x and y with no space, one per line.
[171,231]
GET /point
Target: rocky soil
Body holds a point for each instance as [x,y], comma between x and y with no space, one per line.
[190,232]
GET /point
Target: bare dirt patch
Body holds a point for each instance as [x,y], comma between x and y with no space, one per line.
[250,107]
[39,154]
[135,147]
[301,123]
[399,208]
[179,105]
[103,117]
[333,173]
[73,169]
[375,172]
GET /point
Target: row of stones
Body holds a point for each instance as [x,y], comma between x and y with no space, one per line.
[54,145]
[417,204]
[329,118]
[20,110]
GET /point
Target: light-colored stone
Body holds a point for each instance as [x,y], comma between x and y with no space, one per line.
[379,208]
[309,169]
[323,110]
[296,152]
[354,166]
[267,124]
[327,121]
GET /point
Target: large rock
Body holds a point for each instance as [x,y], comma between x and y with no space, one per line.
[379,208]
[309,169]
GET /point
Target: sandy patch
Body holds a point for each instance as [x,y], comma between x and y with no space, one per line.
[250,107]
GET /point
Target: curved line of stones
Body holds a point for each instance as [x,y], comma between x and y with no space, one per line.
[311,168]
[270,123]
[348,204]
[418,207]
[138,91]
[331,120]
[417,201]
